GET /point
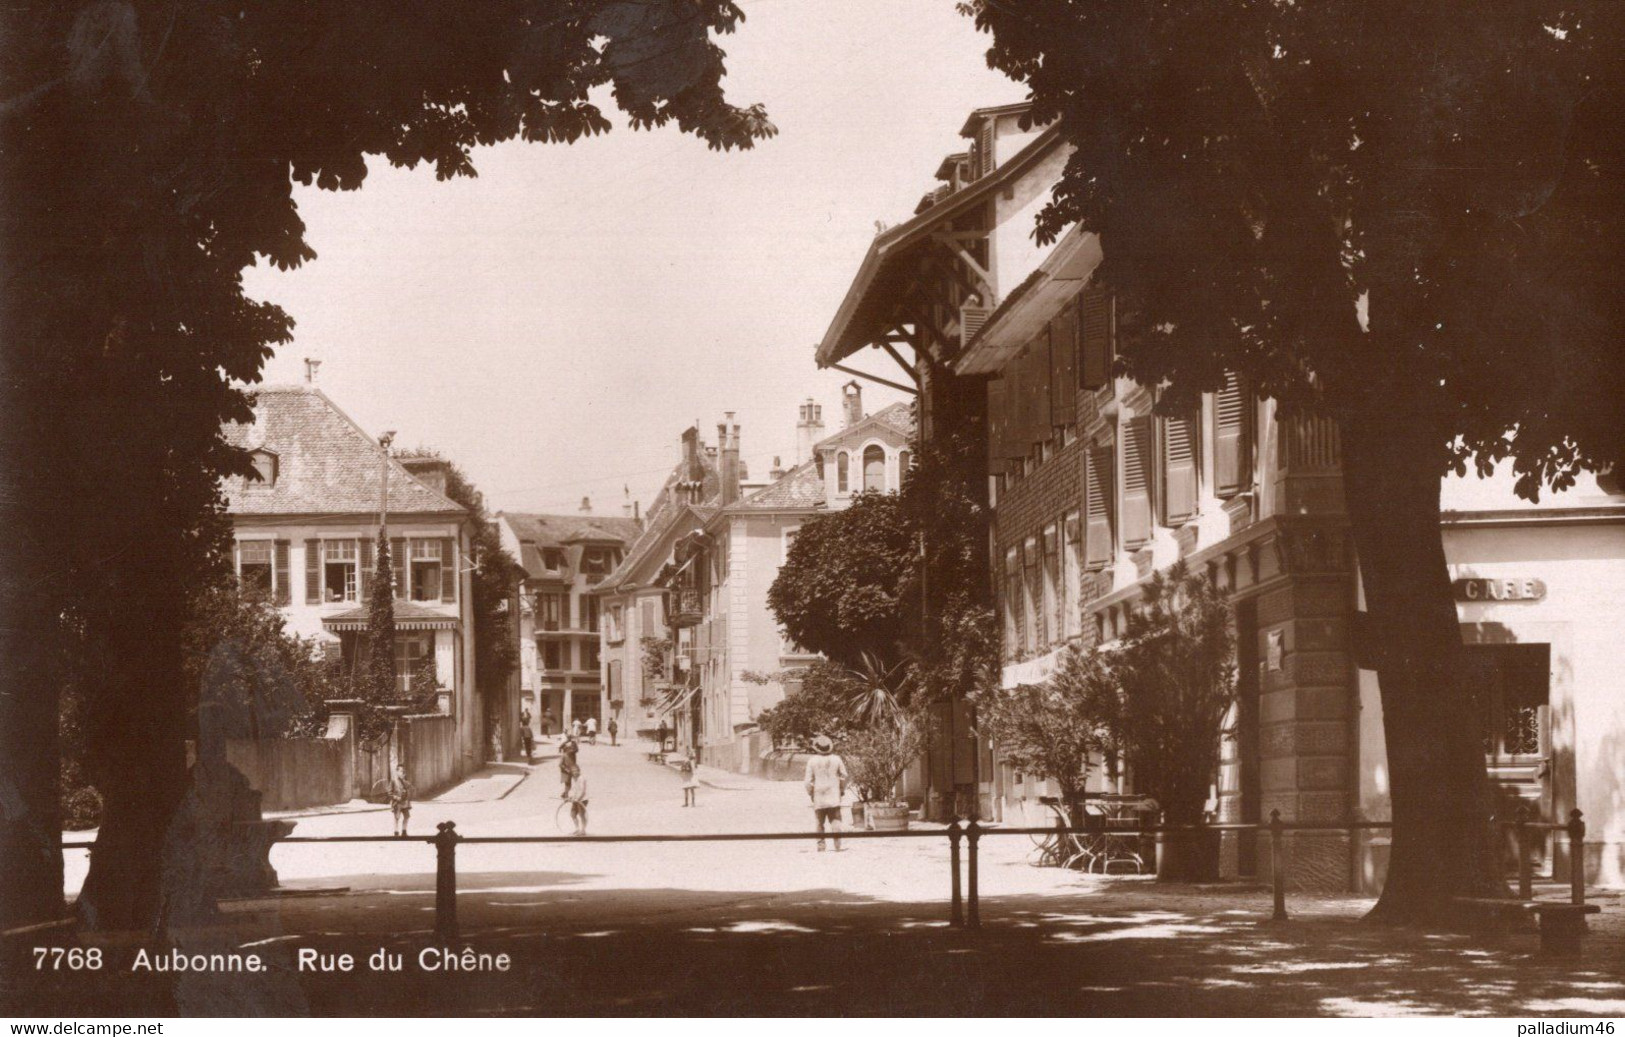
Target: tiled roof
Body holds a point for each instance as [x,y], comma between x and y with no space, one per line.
[801,487]
[558,530]
[897,417]
[326,464]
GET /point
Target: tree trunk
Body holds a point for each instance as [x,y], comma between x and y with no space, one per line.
[30,755]
[1444,840]
[140,751]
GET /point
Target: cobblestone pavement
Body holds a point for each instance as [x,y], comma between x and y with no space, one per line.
[777,928]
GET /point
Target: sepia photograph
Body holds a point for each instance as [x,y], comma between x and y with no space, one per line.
[812,509]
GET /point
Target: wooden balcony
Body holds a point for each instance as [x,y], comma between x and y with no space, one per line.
[687,608]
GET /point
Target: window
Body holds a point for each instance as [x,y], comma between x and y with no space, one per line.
[552,559]
[616,631]
[414,654]
[1232,435]
[1052,583]
[589,655]
[1031,597]
[554,656]
[265,467]
[341,570]
[1012,601]
[1178,496]
[1072,575]
[874,469]
[589,612]
[1095,338]
[552,611]
[428,561]
[648,619]
[841,465]
[254,565]
[595,561]
[1136,482]
[1098,511]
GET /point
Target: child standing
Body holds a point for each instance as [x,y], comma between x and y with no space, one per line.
[691,784]
[400,798]
[576,794]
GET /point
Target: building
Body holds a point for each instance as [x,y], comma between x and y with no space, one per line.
[1091,491]
[566,558]
[305,530]
[694,588]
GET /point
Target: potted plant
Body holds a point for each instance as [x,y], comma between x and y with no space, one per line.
[876,756]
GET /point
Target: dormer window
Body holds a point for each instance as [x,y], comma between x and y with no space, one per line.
[552,559]
[265,466]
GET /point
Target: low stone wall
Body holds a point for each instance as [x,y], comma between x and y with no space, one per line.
[428,747]
[299,773]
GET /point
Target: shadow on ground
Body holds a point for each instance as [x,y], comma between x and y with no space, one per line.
[1115,948]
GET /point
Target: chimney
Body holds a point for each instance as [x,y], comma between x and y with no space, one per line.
[586,505]
[851,403]
[693,480]
[809,429]
[430,471]
[776,473]
[728,441]
[311,367]
[626,500]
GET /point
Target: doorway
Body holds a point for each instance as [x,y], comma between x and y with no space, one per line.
[1511,688]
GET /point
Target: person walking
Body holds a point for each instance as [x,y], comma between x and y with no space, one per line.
[592,730]
[691,783]
[664,732]
[575,729]
[826,787]
[547,722]
[614,728]
[568,767]
[575,792]
[527,737]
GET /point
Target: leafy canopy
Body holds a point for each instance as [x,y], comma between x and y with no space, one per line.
[1407,207]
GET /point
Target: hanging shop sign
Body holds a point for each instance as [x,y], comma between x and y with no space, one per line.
[1518,588]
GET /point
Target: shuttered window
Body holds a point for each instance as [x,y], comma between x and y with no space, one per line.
[1232,468]
[1012,601]
[313,572]
[448,569]
[997,422]
[1095,338]
[1098,509]
[1015,409]
[1054,601]
[398,563]
[648,617]
[368,564]
[284,583]
[1063,368]
[971,318]
[1032,596]
[1137,483]
[1071,575]
[1036,383]
[1179,469]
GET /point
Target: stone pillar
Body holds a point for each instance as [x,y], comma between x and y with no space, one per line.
[1307,689]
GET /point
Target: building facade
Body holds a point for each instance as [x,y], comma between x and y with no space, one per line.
[1091,490]
[562,619]
[305,531]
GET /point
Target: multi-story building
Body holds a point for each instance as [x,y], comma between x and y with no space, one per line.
[696,585]
[306,529]
[561,618]
[1092,490]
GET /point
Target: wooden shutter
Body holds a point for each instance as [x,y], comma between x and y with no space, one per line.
[997,423]
[313,572]
[1014,444]
[1137,460]
[1231,471]
[398,564]
[971,318]
[1178,470]
[448,569]
[1098,506]
[1063,368]
[1037,384]
[367,565]
[648,619]
[284,582]
[1095,338]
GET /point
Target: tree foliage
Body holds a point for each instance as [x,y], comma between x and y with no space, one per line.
[848,581]
[150,154]
[1055,729]
[1404,216]
[378,684]
[877,753]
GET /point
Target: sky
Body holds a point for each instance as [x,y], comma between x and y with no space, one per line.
[554,324]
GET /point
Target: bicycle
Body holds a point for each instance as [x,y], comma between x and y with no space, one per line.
[1058,846]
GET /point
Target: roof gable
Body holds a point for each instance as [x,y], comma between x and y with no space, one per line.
[894,423]
[800,488]
[326,463]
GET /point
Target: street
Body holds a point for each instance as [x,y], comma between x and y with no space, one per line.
[778,928]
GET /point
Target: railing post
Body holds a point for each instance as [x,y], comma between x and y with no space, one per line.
[1526,879]
[973,832]
[956,916]
[1278,865]
[445,881]
[1577,854]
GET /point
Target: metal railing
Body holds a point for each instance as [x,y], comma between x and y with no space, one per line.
[964,896]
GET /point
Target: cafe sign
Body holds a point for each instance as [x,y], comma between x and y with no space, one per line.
[1517,588]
